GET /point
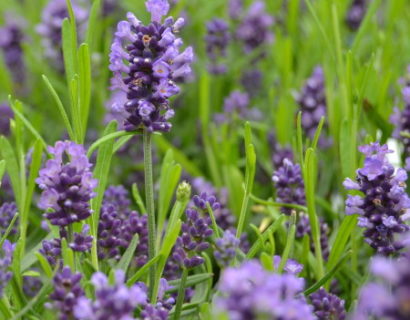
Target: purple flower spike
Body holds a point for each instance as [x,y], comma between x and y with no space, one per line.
[401,118]
[50,27]
[225,248]
[7,213]
[312,102]
[250,292]
[51,250]
[6,114]
[111,302]
[384,203]
[6,258]
[152,58]
[328,306]
[255,28]
[67,183]
[66,294]
[356,13]
[217,40]
[289,185]
[291,267]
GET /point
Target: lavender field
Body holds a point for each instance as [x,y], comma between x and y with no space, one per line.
[204,159]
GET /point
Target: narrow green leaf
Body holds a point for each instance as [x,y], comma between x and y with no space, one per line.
[106,138]
[92,22]
[191,281]
[44,265]
[84,69]
[128,254]
[8,230]
[143,270]
[138,200]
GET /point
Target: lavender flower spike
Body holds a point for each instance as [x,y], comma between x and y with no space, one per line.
[328,306]
[68,185]
[67,292]
[152,59]
[225,248]
[6,257]
[384,203]
[111,302]
[217,40]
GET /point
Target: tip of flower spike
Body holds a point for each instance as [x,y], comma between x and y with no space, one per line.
[157,8]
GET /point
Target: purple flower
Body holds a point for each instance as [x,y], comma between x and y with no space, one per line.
[66,294]
[384,202]
[389,297]
[291,266]
[217,40]
[251,80]
[7,212]
[31,286]
[356,13]
[67,183]
[164,303]
[312,102]
[401,120]
[11,38]
[115,108]
[255,27]
[289,185]
[50,28]
[6,258]
[250,292]
[118,224]
[225,248]
[6,114]
[82,241]
[152,59]
[327,306]
[235,8]
[51,250]
[111,302]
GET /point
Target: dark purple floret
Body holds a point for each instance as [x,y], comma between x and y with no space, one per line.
[160,310]
[217,40]
[31,286]
[255,28]
[11,38]
[250,292]
[384,205]
[6,258]
[111,301]
[137,224]
[118,197]
[401,121]
[51,24]
[7,212]
[6,114]
[312,102]
[82,242]
[327,306]
[67,183]
[356,13]
[109,233]
[51,250]
[289,185]
[66,294]
[150,56]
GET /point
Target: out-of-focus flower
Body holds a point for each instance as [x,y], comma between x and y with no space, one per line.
[384,201]
[6,258]
[150,56]
[250,292]
[217,40]
[255,27]
[225,248]
[111,302]
[51,24]
[356,13]
[6,114]
[312,102]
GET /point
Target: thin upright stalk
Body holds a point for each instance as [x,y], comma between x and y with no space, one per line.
[149,202]
[181,294]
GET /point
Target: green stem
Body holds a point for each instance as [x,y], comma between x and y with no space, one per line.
[181,294]
[149,199]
